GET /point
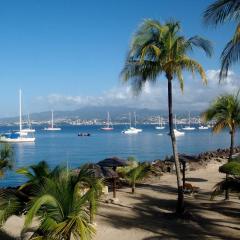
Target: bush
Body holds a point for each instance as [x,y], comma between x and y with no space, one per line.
[231,168]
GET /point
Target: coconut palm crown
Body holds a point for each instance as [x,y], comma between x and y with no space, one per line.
[160,49]
[225,111]
[217,13]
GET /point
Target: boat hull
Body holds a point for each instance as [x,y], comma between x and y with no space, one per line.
[107,129]
[52,129]
[17,140]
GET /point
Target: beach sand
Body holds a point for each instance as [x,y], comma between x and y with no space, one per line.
[148,214]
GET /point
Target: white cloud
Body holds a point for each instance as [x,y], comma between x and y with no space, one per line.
[196,95]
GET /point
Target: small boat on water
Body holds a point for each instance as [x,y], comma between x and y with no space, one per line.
[21,135]
[131,130]
[202,127]
[160,126]
[189,128]
[109,126]
[29,129]
[176,132]
[52,128]
[84,134]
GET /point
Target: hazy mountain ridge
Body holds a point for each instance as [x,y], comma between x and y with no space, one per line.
[93,112]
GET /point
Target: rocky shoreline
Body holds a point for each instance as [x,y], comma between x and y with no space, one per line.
[195,162]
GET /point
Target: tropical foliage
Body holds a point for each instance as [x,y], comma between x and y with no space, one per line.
[219,12]
[64,203]
[6,158]
[138,173]
[231,168]
[225,111]
[160,49]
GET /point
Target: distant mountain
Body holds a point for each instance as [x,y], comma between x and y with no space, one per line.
[94,112]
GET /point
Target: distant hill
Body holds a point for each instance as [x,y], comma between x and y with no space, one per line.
[94,112]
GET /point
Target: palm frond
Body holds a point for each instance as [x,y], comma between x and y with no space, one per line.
[221,11]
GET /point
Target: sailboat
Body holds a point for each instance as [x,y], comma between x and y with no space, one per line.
[19,136]
[29,129]
[176,132]
[160,127]
[189,128]
[51,128]
[135,121]
[109,126]
[202,127]
[130,130]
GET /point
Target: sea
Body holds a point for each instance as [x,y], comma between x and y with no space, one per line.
[67,148]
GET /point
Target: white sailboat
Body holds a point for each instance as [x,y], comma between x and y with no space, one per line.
[202,127]
[130,130]
[189,128]
[19,136]
[29,129]
[52,128]
[176,132]
[135,121]
[160,122]
[109,126]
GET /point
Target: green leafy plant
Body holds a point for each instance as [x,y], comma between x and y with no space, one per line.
[137,174]
[6,158]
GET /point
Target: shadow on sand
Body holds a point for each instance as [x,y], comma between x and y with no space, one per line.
[156,216]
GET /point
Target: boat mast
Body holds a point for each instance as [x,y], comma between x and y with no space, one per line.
[135,119]
[189,119]
[130,120]
[52,118]
[108,120]
[20,110]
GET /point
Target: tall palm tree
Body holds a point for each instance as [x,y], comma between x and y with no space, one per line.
[225,111]
[160,49]
[6,158]
[219,12]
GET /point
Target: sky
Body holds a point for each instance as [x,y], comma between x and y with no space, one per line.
[65,55]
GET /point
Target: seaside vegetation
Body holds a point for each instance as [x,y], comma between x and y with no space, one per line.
[6,158]
[158,49]
[63,202]
[225,111]
[220,12]
[134,172]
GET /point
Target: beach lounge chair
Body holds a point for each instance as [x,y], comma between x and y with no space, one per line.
[189,188]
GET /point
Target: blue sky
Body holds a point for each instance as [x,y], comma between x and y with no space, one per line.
[64,54]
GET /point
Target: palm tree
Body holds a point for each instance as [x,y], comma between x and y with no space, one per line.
[160,49]
[219,12]
[137,174]
[6,158]
[61,207]
[225,111]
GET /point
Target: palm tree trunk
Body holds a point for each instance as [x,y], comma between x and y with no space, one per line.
[232,133]
[180,202]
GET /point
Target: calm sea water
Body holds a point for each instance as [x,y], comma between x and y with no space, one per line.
[65,147]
